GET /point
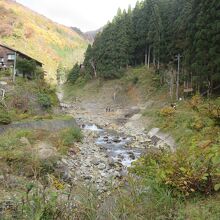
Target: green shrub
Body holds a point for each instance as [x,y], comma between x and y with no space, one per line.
[44,100]
[188,170]
[4,117]
[7,72]
[39,204]
[20,156]
[71,135]
[25,66]
[214,110]
[66,139]
[141,200]
[53,97]
[46,203]
[156,80]
[39,72]
[197,123]
[135,80]
[195,102]
[74,73]
[11,138]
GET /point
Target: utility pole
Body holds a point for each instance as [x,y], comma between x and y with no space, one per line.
[14,70]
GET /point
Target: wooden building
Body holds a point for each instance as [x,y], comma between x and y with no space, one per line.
[9,55]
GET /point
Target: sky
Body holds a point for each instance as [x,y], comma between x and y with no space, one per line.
[85,14]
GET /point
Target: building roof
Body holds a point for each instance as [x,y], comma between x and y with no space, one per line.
[25,55]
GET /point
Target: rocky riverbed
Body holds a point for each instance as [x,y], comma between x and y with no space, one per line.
[112,141]
[102,159]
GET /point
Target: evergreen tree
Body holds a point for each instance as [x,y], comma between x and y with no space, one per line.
[204,42]
[74,73]
[155,31]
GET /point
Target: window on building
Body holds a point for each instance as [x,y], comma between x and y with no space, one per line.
[11,57]
[1,59]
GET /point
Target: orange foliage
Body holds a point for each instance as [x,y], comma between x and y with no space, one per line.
[39,37]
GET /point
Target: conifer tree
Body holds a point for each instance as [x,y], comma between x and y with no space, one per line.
[154,32]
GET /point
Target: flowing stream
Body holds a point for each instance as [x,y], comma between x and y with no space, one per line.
[116,145]
[104,155]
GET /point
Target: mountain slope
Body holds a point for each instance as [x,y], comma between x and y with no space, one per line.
[89,35]
[39,37]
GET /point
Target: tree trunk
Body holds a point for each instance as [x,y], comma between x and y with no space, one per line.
[148,62]
[154,59]
[171,88]
[209,89]
[158,64]
[145,57]
[172,84]
[178,78]
[211,86]
[94,68]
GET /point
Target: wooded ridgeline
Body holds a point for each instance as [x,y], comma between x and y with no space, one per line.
[166,34]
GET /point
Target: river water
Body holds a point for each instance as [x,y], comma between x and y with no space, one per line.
[117,145]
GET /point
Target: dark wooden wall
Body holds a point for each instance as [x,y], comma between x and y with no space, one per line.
[4,54]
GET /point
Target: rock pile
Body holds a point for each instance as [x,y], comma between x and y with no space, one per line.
[91,165]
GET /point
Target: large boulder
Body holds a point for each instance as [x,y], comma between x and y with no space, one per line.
[45,150]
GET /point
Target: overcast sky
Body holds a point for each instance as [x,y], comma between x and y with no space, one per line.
[85,14]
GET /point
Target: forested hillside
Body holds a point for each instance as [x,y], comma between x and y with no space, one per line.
[134,132]
[162,34]
[39,37]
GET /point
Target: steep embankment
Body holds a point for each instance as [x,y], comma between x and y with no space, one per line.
[39,37]
[127,99]
[141,89]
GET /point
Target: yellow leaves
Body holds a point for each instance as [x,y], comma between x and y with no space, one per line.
[198,124]
[42,34]
[167,111]
[56,182]
[195,102]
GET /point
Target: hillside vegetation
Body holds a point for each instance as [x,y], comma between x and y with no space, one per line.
[176,35]
[134,79]
[39,37]
[183,184]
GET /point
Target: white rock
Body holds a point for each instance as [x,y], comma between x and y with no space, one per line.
[45,150]
[101,166]
[153,132]
[136,117]
[3,83]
